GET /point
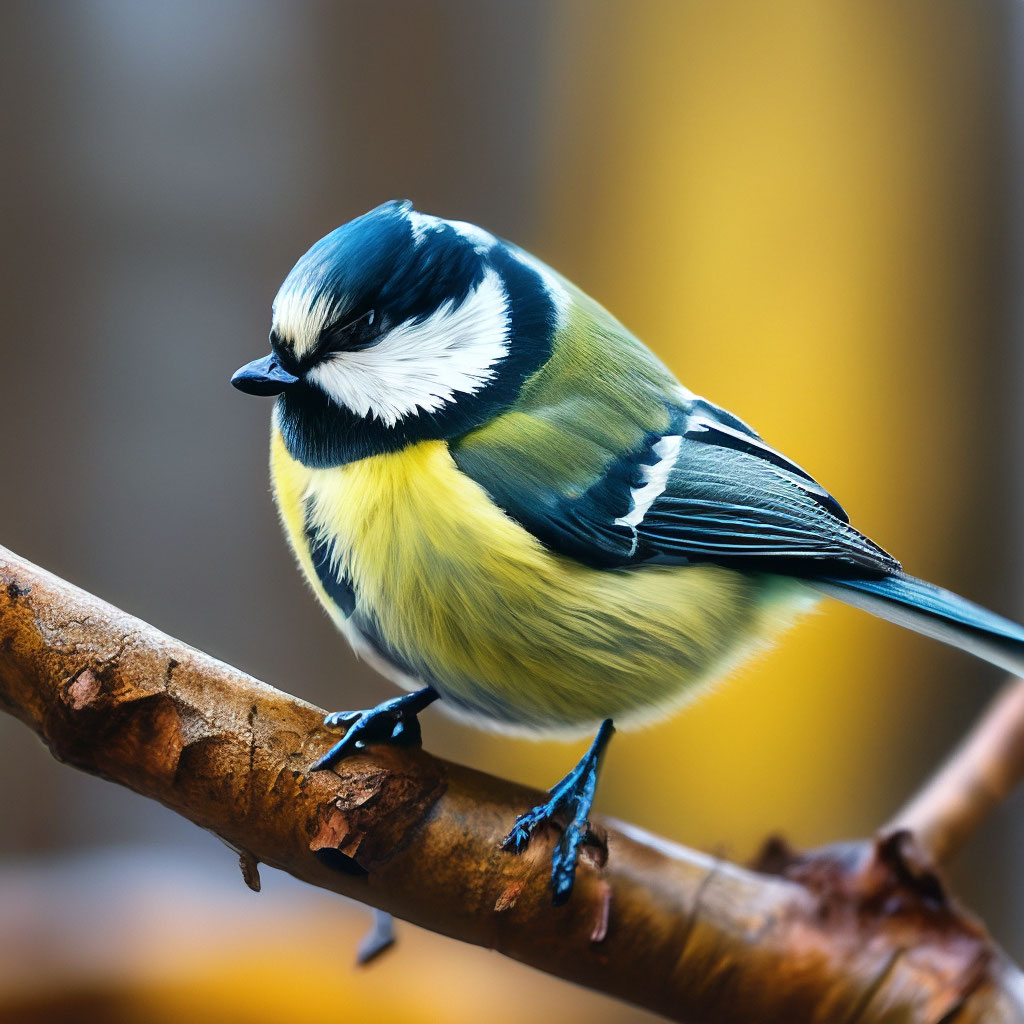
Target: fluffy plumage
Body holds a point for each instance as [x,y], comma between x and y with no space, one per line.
[451,592]
[499,492]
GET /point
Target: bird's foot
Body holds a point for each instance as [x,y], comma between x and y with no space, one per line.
[568,807]
[393,722]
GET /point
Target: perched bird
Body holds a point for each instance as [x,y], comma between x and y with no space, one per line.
[506,501]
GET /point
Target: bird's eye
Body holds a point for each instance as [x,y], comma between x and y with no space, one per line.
[351,335]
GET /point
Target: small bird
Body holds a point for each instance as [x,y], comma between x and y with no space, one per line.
[505,501]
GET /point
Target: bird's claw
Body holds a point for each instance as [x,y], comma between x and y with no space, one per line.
[337,719]
[571,807]
[570,802]
[518,839]
[393,722]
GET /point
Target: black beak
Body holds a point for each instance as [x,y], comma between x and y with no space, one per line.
[262,377]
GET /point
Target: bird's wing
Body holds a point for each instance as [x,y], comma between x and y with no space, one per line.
[606,459]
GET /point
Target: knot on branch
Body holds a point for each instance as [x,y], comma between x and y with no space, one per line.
[888,890]
[890,875]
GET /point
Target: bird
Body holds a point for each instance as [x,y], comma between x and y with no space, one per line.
[508,504]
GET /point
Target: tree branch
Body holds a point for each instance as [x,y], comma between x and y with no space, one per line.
[846,934]
[979,775]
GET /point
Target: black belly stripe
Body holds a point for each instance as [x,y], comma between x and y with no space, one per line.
[342,593]
[336,582]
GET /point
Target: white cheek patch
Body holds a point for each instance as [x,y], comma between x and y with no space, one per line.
[420,367]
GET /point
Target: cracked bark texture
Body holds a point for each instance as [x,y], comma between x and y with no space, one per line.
[863,932]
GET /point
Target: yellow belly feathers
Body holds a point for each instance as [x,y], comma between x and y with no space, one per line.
[454,593]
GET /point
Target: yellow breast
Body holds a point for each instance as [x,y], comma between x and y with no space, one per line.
[452,591]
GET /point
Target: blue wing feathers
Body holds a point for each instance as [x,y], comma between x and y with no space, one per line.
[730,503]
[934,601]
[729,497]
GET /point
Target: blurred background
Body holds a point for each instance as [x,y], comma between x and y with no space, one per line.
[810,210]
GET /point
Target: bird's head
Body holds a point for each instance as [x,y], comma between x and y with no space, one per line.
[399,327]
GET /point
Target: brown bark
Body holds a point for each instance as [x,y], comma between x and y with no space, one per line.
[848,934]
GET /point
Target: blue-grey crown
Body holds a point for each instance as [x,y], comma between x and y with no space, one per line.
[393,260]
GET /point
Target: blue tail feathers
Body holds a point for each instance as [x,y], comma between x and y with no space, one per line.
[941,614]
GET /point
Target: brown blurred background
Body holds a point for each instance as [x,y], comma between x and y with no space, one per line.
[809,209]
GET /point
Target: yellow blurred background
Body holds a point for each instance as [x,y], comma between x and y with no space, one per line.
[809,208]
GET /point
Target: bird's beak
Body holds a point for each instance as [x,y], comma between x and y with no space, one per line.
[262,377]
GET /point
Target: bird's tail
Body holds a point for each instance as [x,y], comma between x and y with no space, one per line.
[937,613]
